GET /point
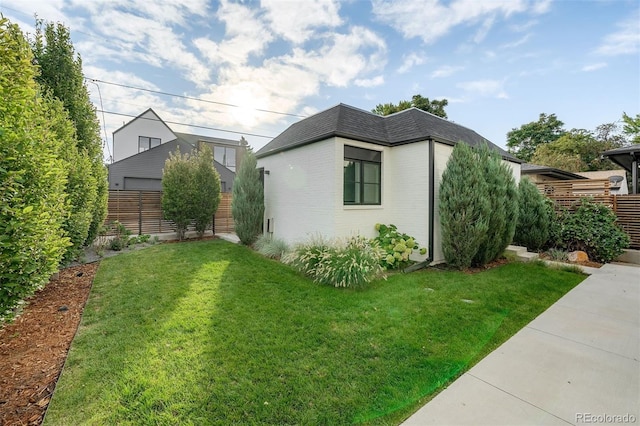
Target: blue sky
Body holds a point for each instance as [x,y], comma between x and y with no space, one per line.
[500,63]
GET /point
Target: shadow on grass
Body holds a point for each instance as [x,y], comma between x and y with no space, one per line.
[212,333]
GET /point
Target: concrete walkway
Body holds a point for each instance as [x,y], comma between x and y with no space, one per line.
[577,363]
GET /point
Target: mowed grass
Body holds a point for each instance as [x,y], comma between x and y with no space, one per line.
[212,333]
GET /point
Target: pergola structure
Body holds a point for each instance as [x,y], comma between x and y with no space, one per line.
[629,158]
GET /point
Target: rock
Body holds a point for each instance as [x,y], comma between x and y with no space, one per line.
[63,308]
[578,256]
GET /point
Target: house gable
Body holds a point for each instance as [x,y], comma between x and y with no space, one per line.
[148,125]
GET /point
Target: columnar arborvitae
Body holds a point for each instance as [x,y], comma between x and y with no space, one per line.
[502,197]
[247,206]
[464,207]
[532,230]
[32,177]
[205,192]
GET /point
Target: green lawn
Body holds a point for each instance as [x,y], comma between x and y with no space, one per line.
[212,333]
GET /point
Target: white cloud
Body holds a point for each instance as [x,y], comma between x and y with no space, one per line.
[370,82]
[296,20]
[485,88]
[432,19]
[593,67]
[445,71]
[625,41]
[411,60]
[245,35]
[522,40]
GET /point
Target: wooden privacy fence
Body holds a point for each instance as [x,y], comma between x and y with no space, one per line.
[626,207]
[141,212]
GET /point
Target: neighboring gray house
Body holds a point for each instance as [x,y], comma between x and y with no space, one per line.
[142,146]
[342,170]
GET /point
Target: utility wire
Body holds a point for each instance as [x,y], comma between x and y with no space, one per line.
[191,97]
[185,124]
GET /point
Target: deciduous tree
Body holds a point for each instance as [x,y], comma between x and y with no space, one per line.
[523,141]
[435,106]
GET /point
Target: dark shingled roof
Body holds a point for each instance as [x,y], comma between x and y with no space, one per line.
[624,156]
[410,125]
[535,169]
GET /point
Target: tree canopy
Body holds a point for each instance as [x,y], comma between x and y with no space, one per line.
[435,107]
[523,141]
[580,150]
[631,127]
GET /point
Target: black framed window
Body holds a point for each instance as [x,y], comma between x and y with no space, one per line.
[145,143]
[226,156]
[362,176]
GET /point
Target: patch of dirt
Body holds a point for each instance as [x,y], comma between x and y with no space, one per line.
[34,347]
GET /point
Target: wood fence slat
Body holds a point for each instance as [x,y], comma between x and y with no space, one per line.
[142,211]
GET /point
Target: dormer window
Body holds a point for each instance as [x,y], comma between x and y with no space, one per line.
[145,143]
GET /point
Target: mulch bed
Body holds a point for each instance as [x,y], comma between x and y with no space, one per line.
[34,347]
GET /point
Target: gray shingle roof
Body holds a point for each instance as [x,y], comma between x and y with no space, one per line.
[411,125]
[529,169]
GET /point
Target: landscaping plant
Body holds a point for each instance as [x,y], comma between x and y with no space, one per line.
[247,205]
[353,262]
[592,228]
[503,201]
[534,218]
[268,246]
[33,203]
[464,207]
[398,247]
[205,189]
[177,179]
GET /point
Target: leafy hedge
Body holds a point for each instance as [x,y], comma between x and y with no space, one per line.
[33,203]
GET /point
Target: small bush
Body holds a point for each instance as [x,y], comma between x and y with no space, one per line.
[398,247]
[558,254]
[121,236]
[351,263]
[592,228]
[273,248]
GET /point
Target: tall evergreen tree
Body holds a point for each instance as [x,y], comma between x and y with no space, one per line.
[534,221]
[502,197]
[61,74]
[464,207]
[247,206]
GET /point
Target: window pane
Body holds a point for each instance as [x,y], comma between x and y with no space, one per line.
[371,193]
[143,143]
[351,193]
[218,154]
[154,142]
[231,158]
[371,172]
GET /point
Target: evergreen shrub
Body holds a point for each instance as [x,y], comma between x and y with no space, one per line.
[534,218]
[247,205]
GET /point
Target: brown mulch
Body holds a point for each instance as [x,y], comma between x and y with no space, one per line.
[34,347]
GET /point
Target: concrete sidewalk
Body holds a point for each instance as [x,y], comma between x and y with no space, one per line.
[577,363]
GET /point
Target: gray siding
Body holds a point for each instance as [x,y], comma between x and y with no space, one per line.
[143,171]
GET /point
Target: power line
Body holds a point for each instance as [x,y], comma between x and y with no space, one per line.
[185,124]
[191,98]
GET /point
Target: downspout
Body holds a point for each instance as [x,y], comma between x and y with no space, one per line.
[431,218]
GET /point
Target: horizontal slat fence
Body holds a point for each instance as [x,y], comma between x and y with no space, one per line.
[568,194]
[141,212]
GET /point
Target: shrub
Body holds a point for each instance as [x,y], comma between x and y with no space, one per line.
[176,193]
[503,201]
[352,263]
[592,228]
[273,248]
[398,247]
[32,177]
[464,207]
[247,205]
[558,254]
[205,193]
[532,230]
[121,237]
